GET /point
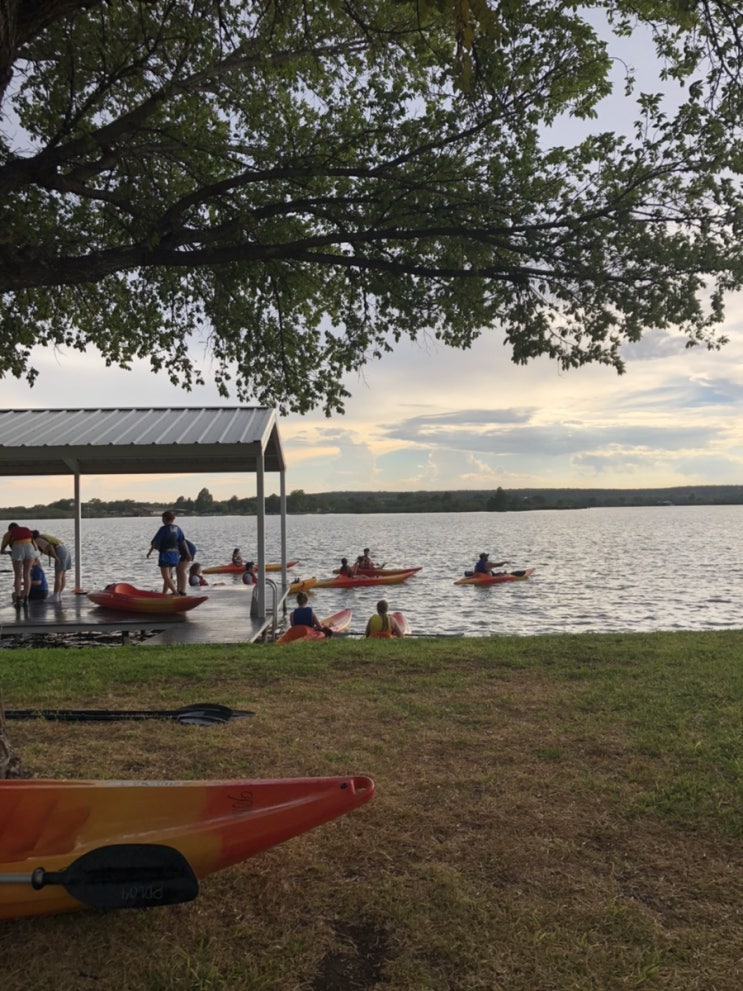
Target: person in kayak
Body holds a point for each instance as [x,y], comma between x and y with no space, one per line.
[170,544]
[304,615]
[365,561]
[250,576]
[195,578]
[381,624]
[237,557]
[346,569]
[484,565]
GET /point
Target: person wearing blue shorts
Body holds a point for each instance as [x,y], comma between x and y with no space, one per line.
[55,548]
[171,546]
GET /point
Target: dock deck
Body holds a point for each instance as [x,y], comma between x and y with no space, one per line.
[223,618]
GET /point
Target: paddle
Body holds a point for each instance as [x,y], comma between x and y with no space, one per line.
[199,714]
[125,875]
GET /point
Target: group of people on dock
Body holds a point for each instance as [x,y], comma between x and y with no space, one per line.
[25,546]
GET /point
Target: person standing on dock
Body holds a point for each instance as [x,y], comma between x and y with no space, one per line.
[170,544]
[19,542]
[55,548]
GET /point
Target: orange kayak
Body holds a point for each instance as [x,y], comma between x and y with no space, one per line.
[302,585]
[237,569]
[125,597]
[338,622]
[375,572]
[497,579]
[50,826]
[365,581]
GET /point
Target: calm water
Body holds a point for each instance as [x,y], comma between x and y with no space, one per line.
[599,570]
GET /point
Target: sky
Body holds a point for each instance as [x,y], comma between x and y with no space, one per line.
[431,418]
[428,417]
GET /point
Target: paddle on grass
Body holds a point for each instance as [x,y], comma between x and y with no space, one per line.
[124,875]
[198,714]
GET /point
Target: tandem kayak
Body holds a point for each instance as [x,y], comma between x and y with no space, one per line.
[338,622]
[127,598]
[237,569]
[506,576]
[68,845]
[375,572]
[364,581]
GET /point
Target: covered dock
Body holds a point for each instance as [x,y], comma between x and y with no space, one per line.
[157,441]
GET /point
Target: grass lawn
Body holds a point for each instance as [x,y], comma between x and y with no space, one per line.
[558,813]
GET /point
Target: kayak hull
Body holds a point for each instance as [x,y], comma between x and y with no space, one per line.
[338,622]
[214,824]
[127,598]
[237,569]
[364,581]
[508,576]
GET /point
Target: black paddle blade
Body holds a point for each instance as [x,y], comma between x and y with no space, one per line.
[126,875]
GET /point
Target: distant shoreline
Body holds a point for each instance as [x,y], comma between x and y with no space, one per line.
[300,503]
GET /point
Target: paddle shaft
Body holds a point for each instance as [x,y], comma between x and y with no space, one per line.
[208,711]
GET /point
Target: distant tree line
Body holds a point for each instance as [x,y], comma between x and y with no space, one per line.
[458,501]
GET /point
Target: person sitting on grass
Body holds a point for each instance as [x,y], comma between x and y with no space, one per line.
[381,624]
[304,615]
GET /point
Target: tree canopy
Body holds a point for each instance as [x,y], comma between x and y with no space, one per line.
[297,185]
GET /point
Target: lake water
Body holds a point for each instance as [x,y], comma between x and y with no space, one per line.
[598,570]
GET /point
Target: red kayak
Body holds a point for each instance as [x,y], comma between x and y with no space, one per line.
[506,576]
[376,572]
[338,622]
[127,598]
[366,581]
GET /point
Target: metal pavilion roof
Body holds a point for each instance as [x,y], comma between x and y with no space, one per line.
[139,441]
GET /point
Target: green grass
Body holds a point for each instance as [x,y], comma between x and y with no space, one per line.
[551,813]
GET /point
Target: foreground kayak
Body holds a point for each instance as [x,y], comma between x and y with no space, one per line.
[237,569]
[65,845]
[127,598]
[364,581]
[338,623]
[506,576]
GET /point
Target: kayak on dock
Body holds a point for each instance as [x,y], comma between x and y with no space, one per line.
[479,578]
[337,623]
[68,845]
[126,598]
